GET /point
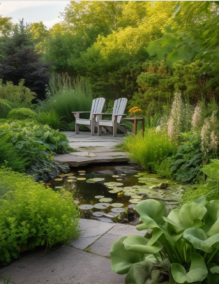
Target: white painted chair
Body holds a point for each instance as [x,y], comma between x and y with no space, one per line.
[97,107]
[113,124]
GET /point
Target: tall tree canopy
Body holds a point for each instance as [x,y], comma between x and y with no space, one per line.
[21,62]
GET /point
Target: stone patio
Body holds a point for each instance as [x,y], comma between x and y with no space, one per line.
[92,149]
[85,260]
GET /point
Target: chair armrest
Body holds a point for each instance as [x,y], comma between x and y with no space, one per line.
[102,114]
[120,114]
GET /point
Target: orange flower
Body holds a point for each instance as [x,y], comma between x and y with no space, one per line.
[48,183]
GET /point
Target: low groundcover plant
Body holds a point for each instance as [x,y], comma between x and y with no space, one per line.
[33,215]
[182,248]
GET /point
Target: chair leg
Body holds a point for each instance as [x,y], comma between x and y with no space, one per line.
[76,128]
[114,128]
[92,127]
[99,130]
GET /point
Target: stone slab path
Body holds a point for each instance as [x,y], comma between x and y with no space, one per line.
[92,149]
[85,260]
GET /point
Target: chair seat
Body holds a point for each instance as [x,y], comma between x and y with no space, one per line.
[83,121]
[106,123]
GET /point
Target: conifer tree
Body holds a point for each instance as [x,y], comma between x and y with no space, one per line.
[21,62]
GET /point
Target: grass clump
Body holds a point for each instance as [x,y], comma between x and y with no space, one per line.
[52,119]
[149,150]
[32,215]
[67,95]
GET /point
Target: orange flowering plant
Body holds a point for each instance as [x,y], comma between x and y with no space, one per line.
[133,110]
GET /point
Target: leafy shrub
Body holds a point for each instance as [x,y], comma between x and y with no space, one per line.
[32,215]
[52,119]
[182,247]
[187,161]
[149,150]
[11,155]
[35,140]
[44,170]
[22,113]
[17,96]
[210,188]
[68,95]
[163,169]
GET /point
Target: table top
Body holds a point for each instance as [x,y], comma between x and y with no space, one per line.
[133,118]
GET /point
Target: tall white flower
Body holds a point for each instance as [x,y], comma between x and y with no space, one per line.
[205,137]
[175,122]
[214,141]
[196,118]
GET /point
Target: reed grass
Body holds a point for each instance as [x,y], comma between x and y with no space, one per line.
[149,150]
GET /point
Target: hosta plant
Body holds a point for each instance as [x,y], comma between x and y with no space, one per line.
[182,246]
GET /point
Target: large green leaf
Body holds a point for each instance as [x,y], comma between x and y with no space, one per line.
[189,215]
[151,214]
[139,272]
[211,219]
[143,273]
[140,244]
[198,238]
[198,270]
[213,274]
[121,259]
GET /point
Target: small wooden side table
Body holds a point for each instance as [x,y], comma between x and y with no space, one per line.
[135,120]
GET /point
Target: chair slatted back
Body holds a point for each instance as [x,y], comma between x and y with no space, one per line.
[119,107]
[97,106]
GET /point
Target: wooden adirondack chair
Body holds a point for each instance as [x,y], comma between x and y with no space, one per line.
[97,107]
[113,124]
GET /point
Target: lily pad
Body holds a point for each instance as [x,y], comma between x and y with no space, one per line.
[81,171]
[114,191]
[97,214]
[81,178]
[118,210]
[134,200]
[90,181]
[123,174]
[129,193]
[99,196]
[117,205]
[115,176]
[62,175]
[101,205]
[58,179]
[107,200]
[86,207]
[132,206]
[70,180]
[136,197]
[71,177]
[119,179]
[98,179]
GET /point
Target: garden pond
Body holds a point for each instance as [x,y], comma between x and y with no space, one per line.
[110,193]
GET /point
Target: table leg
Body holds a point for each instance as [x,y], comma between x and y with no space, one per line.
[135,126]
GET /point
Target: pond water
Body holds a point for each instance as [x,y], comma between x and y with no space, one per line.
[110,193]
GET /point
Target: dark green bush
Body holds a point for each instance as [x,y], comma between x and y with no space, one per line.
[44,170]
[21,114]
[32,215]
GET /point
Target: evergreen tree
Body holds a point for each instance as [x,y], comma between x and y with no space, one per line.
[21,62]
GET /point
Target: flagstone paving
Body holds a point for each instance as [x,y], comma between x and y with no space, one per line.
[85,260]
[92,149]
